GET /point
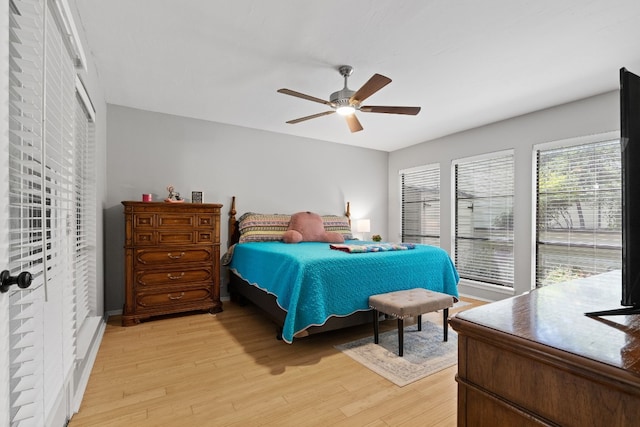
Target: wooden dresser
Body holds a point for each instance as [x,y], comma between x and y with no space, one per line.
[536,359]
[172,259]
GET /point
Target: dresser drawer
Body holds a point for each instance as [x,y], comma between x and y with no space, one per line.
[165,220]
[185,220]
[172,237]
[173,277]
[144,220]
[167,256]
[151,301]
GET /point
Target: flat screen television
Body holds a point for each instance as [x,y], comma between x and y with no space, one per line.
[630,150]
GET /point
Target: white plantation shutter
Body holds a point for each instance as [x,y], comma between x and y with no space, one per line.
[82,271]
[85,184]
[4,215]
[27,370]
[59,329]
[51,224]
[25,141]
[579,211]
[25,211]
[420,189]
[484,219]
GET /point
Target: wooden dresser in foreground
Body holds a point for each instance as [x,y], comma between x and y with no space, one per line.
[536,359]
[172,259]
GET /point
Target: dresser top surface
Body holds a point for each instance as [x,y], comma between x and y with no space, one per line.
[170,205]
[554,316]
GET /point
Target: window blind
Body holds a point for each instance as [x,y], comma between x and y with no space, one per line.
[4,211]
[420,188]
[51,211]
[59,328]
[85,184]
[578,211]
[484,219]
[26,98]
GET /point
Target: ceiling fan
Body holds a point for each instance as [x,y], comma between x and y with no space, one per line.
[346,102]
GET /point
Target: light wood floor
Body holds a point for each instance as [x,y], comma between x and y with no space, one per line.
[229,370]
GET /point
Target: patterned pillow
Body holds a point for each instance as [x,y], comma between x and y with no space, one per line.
[255,227]
[338,224]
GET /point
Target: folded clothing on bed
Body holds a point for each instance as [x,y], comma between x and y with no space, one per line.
[372,247]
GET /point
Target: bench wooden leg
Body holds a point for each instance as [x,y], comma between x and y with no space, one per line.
[445,317]
[400,336]
[376,326]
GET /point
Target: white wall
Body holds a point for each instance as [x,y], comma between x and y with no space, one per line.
[267,172]
[593,115]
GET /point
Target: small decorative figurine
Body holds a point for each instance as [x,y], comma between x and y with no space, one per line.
[174,196]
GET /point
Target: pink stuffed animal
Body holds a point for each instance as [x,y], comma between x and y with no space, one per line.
[308,227]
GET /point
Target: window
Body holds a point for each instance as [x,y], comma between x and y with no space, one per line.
[85,183]
[484,219]
[421,204]
[578,211]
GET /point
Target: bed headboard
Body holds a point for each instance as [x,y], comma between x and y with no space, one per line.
[234,231]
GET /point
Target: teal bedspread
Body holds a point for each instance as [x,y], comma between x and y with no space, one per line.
[312,282]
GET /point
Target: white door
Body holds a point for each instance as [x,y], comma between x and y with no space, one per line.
[36,202]
[4,213]
[21,232]
[4,198]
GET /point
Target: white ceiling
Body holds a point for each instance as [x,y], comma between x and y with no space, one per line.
[465,62]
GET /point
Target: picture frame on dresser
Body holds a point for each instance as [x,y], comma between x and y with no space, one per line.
[172,259]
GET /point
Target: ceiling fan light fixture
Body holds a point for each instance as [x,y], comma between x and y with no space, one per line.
[340,101]
[345,110]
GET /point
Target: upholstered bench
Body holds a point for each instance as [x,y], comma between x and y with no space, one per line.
[409,303]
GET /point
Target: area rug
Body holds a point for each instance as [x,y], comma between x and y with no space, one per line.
[460,304]
[424,352]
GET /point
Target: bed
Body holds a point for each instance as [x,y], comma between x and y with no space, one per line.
[310,287]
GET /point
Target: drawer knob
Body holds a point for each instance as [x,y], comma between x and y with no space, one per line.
[170,255]
[175,298]
[171,277]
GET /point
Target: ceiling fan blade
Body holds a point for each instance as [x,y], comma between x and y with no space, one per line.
[412,111]
[303,96]
[313,116]
[353,122]
[374,84]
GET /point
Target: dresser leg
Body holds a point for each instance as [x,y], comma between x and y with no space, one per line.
[216,309]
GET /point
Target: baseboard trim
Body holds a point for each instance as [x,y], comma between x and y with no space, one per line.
[88,366]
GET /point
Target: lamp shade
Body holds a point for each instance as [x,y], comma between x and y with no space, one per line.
[363,226]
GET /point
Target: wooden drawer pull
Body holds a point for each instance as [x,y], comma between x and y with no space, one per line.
[175,277]
[175,298]
[175,256]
